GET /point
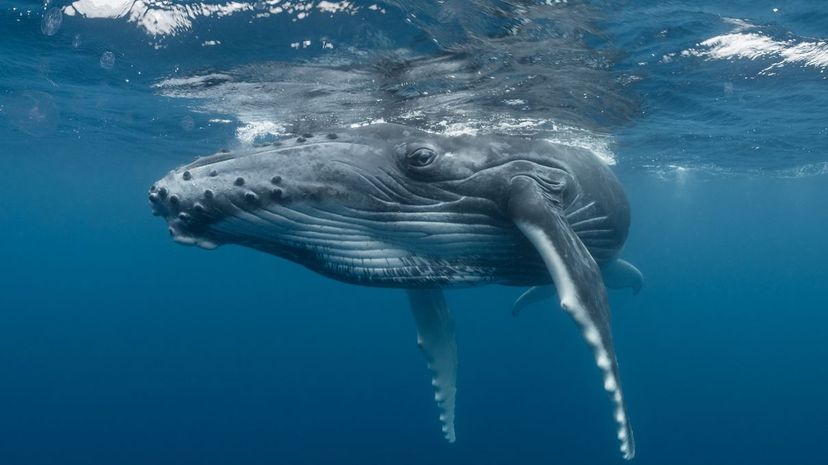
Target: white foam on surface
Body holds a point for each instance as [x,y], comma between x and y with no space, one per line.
[756,46]
[252,131]
[552,132]
[160,18]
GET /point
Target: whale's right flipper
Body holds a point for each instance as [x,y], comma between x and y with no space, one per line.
[579,284]
[435,336]
[621,274]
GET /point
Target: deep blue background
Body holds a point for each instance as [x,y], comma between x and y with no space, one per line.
[119,347]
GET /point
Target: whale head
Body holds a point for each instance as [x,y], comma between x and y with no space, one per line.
[384,204]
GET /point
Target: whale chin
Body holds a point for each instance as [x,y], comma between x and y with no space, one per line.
[198,242]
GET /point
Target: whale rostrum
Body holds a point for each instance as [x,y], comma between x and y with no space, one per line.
[386,205]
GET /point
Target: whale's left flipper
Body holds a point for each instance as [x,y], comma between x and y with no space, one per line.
[532,295]
[435,336]
[579,284]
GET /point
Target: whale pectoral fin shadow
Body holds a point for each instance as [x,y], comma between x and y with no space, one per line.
[580,288]
[435,336]
[621,274]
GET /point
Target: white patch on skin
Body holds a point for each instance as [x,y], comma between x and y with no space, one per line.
[610,384]
[603,361]
[592,336]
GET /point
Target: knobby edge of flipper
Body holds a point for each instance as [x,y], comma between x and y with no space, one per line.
[579,285]
[435,337]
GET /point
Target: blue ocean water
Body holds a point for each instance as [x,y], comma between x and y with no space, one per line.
[119,346]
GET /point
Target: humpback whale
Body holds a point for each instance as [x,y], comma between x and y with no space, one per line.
[393,206]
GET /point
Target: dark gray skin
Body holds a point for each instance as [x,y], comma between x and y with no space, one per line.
[449,219]
[391,206]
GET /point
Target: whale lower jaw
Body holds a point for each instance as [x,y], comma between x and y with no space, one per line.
[371,253]
[196,241]
[363,252]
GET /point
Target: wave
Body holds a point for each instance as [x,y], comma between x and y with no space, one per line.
[758,46]
[160,18]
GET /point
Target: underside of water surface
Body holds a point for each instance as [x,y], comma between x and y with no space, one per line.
[118,346]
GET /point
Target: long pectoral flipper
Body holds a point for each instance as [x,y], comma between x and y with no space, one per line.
[579,285]
[435,336]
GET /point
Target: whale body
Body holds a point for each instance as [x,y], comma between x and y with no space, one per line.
[392,206]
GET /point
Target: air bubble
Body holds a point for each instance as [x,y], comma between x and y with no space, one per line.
[32,112]
[107,60]
[51,22]
[187,123]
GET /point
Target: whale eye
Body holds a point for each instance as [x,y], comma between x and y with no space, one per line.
[421,157]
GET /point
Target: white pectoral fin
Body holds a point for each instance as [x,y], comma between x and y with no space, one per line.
[435,336]
[580,289]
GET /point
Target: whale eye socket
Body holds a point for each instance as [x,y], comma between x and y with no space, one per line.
[421,157]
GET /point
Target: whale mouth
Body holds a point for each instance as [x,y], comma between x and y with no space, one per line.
[187,220]
[180,235]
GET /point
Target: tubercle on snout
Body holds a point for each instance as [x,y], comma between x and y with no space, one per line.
[192,197]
